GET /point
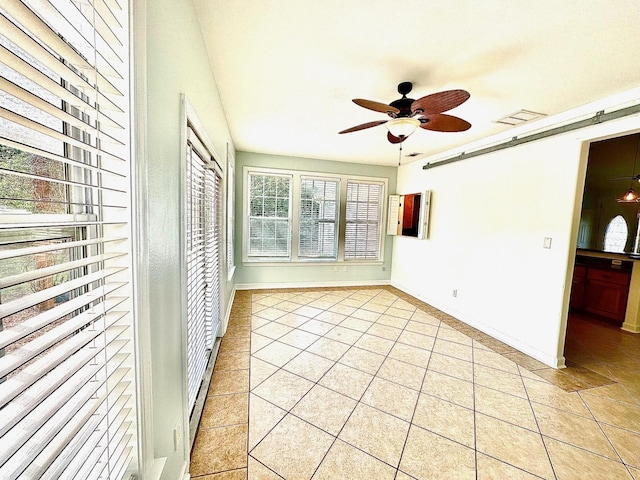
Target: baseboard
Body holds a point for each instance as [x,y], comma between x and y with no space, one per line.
[628,327]
[552,361]
[184,472]
[227,314]
[346,283]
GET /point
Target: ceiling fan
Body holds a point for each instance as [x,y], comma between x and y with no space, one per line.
[408,114]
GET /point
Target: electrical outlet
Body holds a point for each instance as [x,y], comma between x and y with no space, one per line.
[344,269]
[547,242]
[455,292]
[335,269]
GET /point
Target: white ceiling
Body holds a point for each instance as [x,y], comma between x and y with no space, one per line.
[287,70]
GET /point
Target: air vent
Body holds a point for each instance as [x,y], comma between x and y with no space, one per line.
[519,117]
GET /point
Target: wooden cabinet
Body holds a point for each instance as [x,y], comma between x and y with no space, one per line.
[600,292]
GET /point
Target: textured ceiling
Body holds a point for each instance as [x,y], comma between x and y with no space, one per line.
[287,70]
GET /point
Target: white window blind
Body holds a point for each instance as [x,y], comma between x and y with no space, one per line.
[363,218]
[204,221]
[67,393]
[231,205]
[318,218]
[269,215]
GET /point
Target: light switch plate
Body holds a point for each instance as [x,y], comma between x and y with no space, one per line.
[547,242]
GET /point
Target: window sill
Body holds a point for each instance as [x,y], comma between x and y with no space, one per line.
[311,263]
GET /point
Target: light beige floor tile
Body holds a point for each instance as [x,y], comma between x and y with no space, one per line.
[384,331]
[374,344]
[506,407]
[307,311]
[222,410]
[526,373]
[346,462]
[257,322]
[328,348]
[352,302]
[271,313]
[451,366]
[344,335]
[407,353]
[258,342]
[499,380]
[453,335]
[230,381]
[257,471]
[230,345]
[321,303]
[614,413]
[635,473]
[273,330]
[495,360]
[403,476]
[570,463]
[374,307]
[404,305]
[391,398]
[548,394]
[310,366]
[355,324]
[422,328]
[331,317]
[260,371]
[428,456]
[287,306]
[448,388]
[390,321]
[416,340]
[508,443]
[299,339]
[377,433]
[367,315]
[316,326]
[283,389]
[424,317]
[280,449]
[403,373]
[362,360]
[573,429]
[263,416]
[325,409]
[219,449]
[445,418]
[626,443]
[346,380]
[383,300]
[342,309]
[399,312]
[292,320]
[463,352]
[492,469]
[277,353]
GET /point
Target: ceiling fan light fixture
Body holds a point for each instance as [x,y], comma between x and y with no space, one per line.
[630,196]
[402,127]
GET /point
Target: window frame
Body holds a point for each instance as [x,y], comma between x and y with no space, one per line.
[297,175]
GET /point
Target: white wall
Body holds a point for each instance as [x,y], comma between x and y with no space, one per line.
[177,63]
[489,217]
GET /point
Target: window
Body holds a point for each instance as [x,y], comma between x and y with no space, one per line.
[294,216]
[204,221]
[616,234]
[67,392]
[318,230]
[363,219]
[269,215]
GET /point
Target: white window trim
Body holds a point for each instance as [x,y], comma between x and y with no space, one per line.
[297,175]
[230,215]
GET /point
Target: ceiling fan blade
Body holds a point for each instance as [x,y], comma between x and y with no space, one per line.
[439,102]
[441,122]
[375,106]
[393,139]
[635,177]
[363,126]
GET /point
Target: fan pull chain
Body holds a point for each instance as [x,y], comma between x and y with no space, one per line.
[400,154]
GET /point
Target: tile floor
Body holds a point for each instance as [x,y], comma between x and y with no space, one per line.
[371,384]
